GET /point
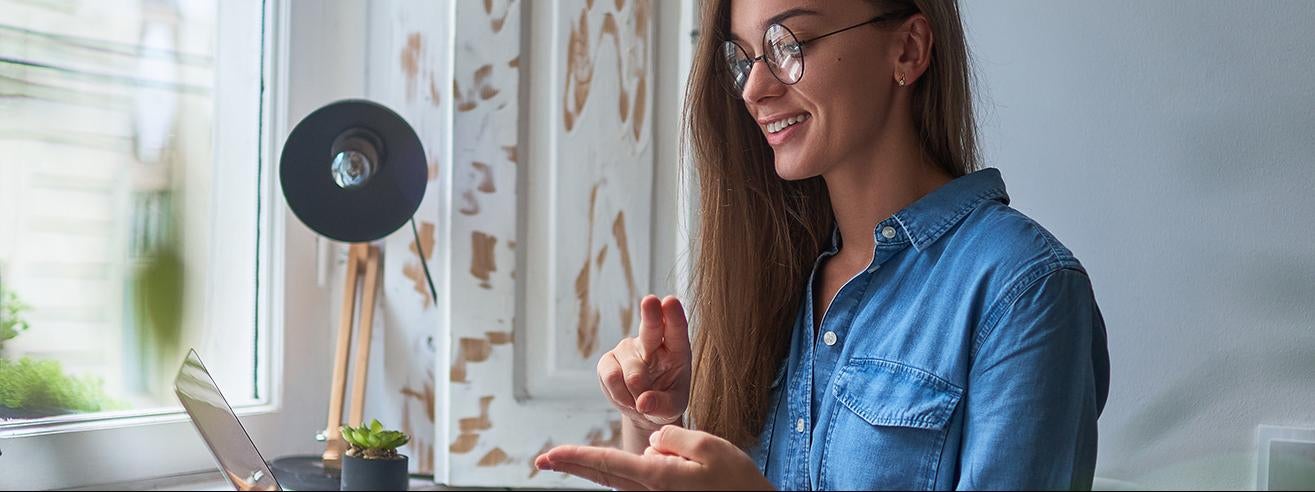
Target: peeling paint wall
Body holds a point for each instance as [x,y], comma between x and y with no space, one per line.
[487,428]
[602,169]
[594,215]
[406,70]
[448,372]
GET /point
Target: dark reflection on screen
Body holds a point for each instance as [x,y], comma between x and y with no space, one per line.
[219,427]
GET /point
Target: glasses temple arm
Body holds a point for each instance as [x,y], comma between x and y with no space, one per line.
[879,18]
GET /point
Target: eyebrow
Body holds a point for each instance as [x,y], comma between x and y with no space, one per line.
[781,17]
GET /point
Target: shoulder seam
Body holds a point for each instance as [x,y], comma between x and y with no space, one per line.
[1054,258]
[1066,257]
[1031,277]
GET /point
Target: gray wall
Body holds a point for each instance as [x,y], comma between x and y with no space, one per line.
[1169,144]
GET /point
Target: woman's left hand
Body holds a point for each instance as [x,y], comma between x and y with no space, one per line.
[676,459]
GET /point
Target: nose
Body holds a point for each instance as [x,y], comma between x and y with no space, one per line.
[761,84]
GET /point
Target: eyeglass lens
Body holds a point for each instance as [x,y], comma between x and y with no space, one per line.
[782,53]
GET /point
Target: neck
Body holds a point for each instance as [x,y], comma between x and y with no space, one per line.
[878,182]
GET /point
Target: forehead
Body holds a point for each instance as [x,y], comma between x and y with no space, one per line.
[749,18]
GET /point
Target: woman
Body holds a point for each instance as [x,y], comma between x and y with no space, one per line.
[870,312]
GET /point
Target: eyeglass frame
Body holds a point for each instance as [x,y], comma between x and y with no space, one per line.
[752,60]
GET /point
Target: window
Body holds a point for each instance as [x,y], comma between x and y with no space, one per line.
[273,256]
[130,191]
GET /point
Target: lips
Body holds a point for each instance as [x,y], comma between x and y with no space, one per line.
[779,127]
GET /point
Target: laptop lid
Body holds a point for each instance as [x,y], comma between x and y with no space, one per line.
[238,459]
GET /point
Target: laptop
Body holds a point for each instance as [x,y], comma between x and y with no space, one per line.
[238,459]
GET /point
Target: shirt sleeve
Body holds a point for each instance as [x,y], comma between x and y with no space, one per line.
[1038,382]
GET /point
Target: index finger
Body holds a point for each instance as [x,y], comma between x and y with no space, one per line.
[605,479]
[650,327]
[608,461]
[590,474]
[677,327]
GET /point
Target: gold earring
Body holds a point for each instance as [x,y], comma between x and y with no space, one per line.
[900,78]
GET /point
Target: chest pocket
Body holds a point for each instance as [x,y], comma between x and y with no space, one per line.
[889,428]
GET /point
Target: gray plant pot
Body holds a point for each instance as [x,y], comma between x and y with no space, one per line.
[381,474]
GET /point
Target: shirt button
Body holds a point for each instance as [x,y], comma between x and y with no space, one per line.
[799,425]
[888,232]
[829,338]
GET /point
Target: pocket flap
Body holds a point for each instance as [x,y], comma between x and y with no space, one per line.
[888,393]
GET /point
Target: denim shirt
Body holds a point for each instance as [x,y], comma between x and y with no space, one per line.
[970,354]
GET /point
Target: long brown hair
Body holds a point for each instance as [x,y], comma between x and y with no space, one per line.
[759,234]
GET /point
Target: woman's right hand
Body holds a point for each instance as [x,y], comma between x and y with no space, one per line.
[647,377]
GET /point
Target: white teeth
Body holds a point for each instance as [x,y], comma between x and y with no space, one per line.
[779,125]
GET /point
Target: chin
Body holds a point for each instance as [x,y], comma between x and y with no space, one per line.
[793,170]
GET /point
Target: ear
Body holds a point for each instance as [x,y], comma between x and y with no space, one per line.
[915,43]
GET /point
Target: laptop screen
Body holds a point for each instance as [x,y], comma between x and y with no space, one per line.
[238,458]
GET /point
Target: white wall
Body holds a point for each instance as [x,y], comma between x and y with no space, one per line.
[1169,145]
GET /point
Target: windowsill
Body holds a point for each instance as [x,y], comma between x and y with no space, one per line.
[100,421]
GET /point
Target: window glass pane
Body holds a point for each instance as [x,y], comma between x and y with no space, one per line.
[111,112]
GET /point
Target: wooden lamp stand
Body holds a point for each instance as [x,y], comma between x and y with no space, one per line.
[362,261]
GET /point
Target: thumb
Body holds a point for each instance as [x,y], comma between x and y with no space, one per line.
[658,406]
[690,444]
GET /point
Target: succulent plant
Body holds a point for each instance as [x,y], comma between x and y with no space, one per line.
[373,441]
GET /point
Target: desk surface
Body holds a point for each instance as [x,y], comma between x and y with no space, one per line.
[215,481]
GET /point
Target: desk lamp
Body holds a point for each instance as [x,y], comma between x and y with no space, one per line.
[352,171]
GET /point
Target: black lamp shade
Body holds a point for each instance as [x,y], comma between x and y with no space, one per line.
[381,203]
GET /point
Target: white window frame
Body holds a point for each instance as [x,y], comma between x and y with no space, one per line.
[294,301]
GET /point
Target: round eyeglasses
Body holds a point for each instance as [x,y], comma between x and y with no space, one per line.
[783,53]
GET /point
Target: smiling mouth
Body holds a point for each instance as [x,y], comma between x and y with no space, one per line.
[781,124]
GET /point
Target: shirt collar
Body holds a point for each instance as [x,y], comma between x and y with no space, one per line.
[927,219]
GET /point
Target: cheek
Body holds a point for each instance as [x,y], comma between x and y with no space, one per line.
[860,83]
[845,97]
[858,77]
